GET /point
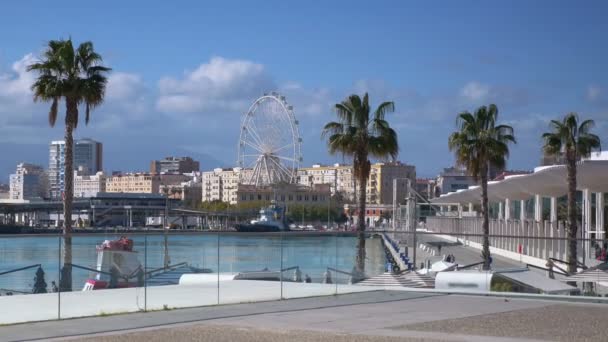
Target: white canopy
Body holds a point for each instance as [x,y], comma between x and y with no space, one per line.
[548,181]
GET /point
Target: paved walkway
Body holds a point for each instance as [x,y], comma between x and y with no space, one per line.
[369,316]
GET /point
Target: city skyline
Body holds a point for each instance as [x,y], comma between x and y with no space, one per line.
[189,98]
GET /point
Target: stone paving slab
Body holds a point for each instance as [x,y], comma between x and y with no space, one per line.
[555,322]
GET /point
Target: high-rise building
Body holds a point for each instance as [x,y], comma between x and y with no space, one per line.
[174,165]
[88,153]
[27,182]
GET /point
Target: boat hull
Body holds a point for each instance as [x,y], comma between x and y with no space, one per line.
[258,228]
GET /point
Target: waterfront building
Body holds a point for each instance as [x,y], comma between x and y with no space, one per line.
[376,215]
[381,182]
[134,183]
[453,179]
[379,185]
[87,185]
[426,187]
[190,191]
[27,182]
[88,153]
[284,194]
[174,165]
[222,184]
[339,177]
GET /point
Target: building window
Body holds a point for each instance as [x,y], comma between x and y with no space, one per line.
[291,197]
[251,197]
[306,197]
[243,197]
[299,197]
[259,197]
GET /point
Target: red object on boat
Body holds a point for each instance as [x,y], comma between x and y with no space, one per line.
[122,244]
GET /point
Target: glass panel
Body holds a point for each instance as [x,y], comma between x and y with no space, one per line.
[350,279]
[182,270]
[107,275]
[28,275]
[250,265]
[309,263]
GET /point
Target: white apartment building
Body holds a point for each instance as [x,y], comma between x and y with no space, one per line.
[222,184]
[338,176]
[86,185]
[27,182]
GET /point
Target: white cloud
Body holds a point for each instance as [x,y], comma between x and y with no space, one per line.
[475,91]
[219,85]
[593,92]
[15,85]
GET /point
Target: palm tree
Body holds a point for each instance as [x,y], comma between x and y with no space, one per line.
[478,144]
[574,141]
[358,135]
[77,77]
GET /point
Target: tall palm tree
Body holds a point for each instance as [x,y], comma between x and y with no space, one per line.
[76,76]
[358,135]
[574,141]
[478,144]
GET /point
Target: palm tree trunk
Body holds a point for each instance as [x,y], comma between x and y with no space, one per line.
[361,225]
[68,194]
[572,223]
[485,253]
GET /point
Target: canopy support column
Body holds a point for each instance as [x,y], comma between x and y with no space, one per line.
[501,211]
[522,210]
[470,207]
[538,208]
[553,212]
[599,214]
[507,209]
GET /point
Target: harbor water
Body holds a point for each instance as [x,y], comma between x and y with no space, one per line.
[226,252]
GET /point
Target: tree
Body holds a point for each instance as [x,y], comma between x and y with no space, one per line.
[574,141]
[358,135]
[76,76]
[478,144]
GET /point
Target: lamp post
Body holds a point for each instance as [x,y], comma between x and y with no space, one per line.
[395,199]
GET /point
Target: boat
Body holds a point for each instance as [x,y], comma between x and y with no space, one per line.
[271,219]
[117,266]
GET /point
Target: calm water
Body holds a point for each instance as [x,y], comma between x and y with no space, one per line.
[237,252]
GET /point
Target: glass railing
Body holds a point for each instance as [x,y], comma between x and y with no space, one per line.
[109,272]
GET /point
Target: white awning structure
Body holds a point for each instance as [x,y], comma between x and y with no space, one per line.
[547,181]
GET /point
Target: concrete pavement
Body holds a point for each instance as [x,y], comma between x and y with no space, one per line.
[369,316]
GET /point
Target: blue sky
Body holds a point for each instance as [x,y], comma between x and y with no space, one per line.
[184,74]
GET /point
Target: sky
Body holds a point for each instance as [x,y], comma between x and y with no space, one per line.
[185,73]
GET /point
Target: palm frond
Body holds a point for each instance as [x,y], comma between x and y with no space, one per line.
[383,109]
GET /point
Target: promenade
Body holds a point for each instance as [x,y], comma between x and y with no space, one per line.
[369,316]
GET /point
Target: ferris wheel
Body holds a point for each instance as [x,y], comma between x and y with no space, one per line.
[270,142]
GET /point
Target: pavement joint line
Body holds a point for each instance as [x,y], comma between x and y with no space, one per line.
[189,322]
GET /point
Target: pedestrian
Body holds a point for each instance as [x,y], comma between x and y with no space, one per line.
[54,287]
[598,251]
